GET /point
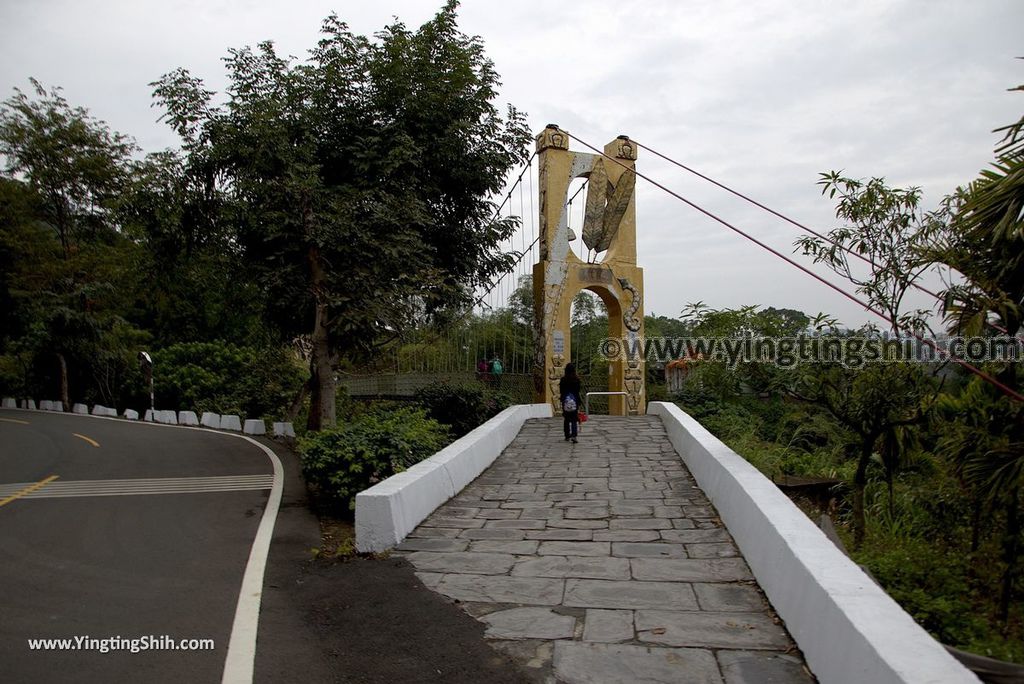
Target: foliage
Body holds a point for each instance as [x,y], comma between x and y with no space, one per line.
[73,162]
[888,231]
[341,462]
[358,179]
[225,378]
[461,407]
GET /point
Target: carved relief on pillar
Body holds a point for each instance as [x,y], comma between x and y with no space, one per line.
[634,385]
[554,378]
[552,136]
[625,148]
[629,316]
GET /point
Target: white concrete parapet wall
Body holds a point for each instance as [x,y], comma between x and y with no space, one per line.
[9,403]
[80,409]
[99,410]
[131,414]
[388,511]
[210,420]
[848,628]
[29,404]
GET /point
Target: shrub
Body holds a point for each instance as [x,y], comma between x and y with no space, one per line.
[225,378]
[462,407]
[342,462]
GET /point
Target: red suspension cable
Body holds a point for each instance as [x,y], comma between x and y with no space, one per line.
[977,371]
[795,223]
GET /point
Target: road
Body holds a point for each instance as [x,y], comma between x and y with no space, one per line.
[114,530]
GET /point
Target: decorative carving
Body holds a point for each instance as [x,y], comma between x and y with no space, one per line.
[555,377]
[606,205]
[596,274]
[629,317]
[552,136]
[625,149]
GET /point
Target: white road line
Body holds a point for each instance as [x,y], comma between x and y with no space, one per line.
[240,662]
[141,486]
[241,658]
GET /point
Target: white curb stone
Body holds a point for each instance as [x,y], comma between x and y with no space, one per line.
[149,416]
[98,410]
[29,404]
[210,420]
[231,422]
[10,403]
[255,426]
[45,405]
[166,417]
[80,409]
[130,414]
[187,418]
[284,430]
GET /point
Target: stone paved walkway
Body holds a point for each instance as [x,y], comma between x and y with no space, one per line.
[603,562]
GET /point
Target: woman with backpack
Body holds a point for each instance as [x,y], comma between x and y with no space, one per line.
[570,392]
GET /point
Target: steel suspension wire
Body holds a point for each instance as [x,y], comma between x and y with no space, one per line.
[867,307]
[799,225]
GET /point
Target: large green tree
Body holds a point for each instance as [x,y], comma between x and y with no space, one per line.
[63,258]
[358,180]
[74,163]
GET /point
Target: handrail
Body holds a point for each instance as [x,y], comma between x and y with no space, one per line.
[587,398]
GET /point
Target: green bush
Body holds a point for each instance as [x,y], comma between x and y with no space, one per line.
[225,378]
[462,407]
[342,462]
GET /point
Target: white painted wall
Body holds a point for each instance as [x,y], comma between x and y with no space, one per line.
[390,510]
[849,630]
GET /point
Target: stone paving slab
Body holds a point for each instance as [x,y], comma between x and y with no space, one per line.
[603,562]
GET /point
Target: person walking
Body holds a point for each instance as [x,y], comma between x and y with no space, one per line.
[570,391]
[496,370]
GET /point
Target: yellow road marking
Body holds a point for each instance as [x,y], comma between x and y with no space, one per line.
[90,441]
[27,490]
[13,420]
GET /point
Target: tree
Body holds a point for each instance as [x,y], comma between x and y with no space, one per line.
[73,162]
[69,169]
[358,179]
[886,227]
[985,244]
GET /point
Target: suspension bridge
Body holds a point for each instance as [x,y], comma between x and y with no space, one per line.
[625,557]
[574,215]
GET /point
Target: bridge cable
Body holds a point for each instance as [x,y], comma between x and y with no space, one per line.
[980,373]
[858,255]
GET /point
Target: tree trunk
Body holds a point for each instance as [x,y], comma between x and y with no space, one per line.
[296,404]
[860,480]
[1011,545]
[321,365]
[65,394]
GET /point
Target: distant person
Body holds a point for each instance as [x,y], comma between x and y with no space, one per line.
[496,370]
[569,392]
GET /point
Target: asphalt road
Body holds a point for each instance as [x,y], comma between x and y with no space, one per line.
[85,554]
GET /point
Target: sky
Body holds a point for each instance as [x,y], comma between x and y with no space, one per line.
[762,96]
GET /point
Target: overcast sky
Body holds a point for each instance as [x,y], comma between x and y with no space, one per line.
[760,95]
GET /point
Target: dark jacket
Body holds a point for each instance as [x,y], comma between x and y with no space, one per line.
[567,386]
